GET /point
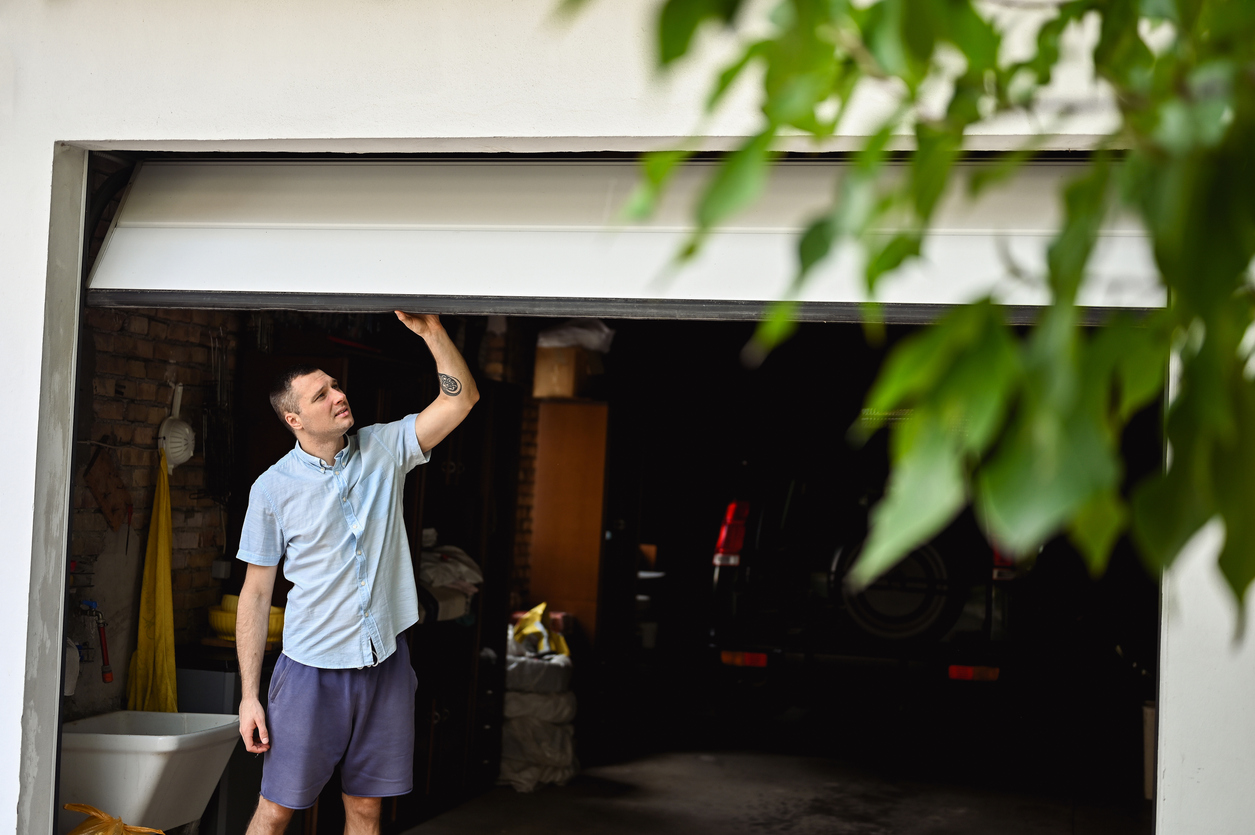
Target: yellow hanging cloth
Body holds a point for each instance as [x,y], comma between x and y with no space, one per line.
[151,684]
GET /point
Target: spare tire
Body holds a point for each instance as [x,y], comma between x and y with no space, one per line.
[918,600]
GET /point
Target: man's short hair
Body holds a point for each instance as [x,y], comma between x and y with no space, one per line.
[282,398]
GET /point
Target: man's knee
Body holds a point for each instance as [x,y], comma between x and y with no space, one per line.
[270,817]
[363,808]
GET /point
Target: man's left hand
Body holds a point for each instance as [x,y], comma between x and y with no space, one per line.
[423,324]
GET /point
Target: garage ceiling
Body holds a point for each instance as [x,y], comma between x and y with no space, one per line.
[546,238]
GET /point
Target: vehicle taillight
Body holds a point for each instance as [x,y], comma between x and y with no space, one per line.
[732,534]
[743,659]
[959,672]
[1004,568]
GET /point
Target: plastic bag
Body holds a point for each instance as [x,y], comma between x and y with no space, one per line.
[547,707]
[526,776]
[550,674]
[586,333]
[513,648]
[533,741]
[98,823]
[446,565]
[534,623]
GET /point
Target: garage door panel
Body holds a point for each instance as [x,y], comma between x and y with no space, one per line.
[588,265]
[306,235]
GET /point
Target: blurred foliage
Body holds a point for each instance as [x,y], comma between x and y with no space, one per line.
[1024,424]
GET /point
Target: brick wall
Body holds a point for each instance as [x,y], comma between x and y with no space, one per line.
[139,355]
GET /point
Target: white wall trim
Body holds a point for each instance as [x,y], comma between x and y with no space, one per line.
[41,700]
[557,144]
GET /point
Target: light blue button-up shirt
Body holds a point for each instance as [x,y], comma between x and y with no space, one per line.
[339,531]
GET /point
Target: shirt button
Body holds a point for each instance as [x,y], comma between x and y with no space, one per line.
[363,582]
[343,499]
[359,553]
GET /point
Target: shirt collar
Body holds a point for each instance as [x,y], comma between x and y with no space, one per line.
[342,457]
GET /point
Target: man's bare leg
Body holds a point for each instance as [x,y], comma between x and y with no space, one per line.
[269,819]
[361,815]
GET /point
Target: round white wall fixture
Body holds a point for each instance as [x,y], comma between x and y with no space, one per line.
[176,436]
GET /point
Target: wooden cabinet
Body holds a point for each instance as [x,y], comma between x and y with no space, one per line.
[567,513]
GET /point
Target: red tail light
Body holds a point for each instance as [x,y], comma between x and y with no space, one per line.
[732,534]
[1004,568]
[964,673]
[743,659]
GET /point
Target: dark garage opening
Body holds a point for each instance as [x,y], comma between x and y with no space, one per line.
[847,727]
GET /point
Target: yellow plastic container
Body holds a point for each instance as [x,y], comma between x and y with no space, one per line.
[223,623]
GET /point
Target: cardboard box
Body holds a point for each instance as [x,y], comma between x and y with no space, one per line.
[563,373]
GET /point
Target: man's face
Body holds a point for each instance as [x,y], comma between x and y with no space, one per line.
[325,411]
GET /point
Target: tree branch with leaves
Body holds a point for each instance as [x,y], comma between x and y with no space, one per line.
[1024,425]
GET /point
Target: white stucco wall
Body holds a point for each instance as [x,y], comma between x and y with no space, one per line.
[363,76]
[1206,693]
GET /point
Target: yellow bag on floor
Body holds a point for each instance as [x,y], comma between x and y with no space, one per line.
[98,823]
[535,622]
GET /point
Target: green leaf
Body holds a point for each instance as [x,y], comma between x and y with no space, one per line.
[1123,366]
[656,169]
[1171,507]
[679,20]
[974,36]
[1096,527]
[887,258]
[814,245]
[1041,475]
[1049,40]
[922,22]
[1085,201]
[925,493]
[773,331]
[570,8]
[1159,9]
[976,392]
[1121,54]
[882,32]
[1234,474]
[999,171]
[733,72]
[918,363]
[1175,132]
[738,181]
[1142,367]
[936,151]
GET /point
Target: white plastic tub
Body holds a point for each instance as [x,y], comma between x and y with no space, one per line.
[150,769]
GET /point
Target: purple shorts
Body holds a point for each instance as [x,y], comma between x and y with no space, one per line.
[317,718]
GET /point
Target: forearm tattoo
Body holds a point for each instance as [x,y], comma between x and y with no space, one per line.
[450,385]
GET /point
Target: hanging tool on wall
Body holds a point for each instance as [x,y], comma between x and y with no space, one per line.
[90,608]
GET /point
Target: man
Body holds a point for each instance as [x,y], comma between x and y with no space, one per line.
[330,509]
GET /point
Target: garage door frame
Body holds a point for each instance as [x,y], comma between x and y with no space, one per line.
[64,297]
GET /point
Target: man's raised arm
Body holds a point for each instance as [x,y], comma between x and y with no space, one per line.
[457,389]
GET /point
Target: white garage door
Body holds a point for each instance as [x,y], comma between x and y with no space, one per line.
[546,238]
